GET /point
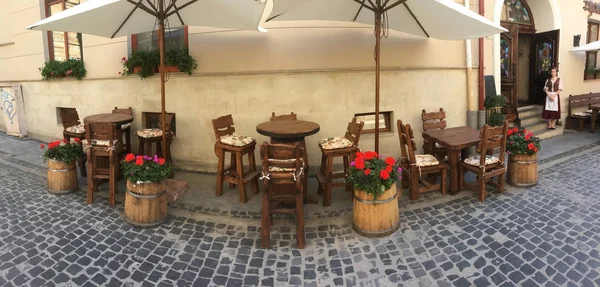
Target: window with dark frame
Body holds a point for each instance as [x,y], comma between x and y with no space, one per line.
[63,45]
[174,38]
[385,121]
[591,57]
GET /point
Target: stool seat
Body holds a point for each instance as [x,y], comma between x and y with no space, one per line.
[77,129]
[236,140]
[335,143]
[149,133]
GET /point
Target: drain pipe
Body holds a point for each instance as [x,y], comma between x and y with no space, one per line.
[481,113]
[471,107]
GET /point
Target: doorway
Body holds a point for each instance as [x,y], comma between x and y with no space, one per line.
[526,57]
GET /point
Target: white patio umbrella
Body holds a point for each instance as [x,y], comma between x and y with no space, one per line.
[117,18]
[593,46]
[440,19]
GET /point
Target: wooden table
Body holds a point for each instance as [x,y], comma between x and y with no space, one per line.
[118,119]
[290,132]
[595,109]
[456,141]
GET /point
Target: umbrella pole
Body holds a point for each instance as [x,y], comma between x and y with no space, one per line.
[161,49]
[377,67]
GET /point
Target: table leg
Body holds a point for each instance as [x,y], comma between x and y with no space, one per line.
[453,159]
[594,116]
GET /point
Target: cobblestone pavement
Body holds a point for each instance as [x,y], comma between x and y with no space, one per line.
[547,235]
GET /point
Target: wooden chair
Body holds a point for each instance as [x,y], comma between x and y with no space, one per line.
[415,167]
[290,117]
[73,128]
[101,145]
[485,166]
[150,135]
[238,146]
[126,128]
[282,165]
[434,121]
[345,147]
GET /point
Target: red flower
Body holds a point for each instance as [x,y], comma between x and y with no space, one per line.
[390,161]
[370,155]
[510,132]
[161,161]
[388,168]
[139,161]
[65,141]
[384,174]
[42,145]
[367,171]
[527,137]
[515,130]
[123,59]
[129,157]
[360,163]
[530,146]
[524,131]
[359,154]
[530,134]
[77,140]
[535,149]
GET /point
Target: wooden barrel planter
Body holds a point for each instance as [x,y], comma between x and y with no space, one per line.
[146,203]
[522,170]
[376,218]
[62,177]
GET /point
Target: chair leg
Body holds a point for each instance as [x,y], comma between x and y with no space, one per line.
[81,161]
[159,150]
[112,180]
[90,179]
[266,221]
[128,140]
[322,170]
[481,188]
[141,146]
[240,176]
[414,183]
[501,183]
[300,220]
[443,181]
[405,179]
[328,182]
[346,167]
[220,172]
[233,168]
[252,163]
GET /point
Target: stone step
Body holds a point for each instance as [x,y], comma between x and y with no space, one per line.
[530,112]
[532,121]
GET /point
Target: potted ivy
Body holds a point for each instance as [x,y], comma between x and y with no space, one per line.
[141,62]
[61,69]
[522,148]
[61,157]
[374,180]
[146,197]
[179,60]
[493,105]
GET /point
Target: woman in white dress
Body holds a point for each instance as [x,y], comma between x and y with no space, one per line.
[552,87]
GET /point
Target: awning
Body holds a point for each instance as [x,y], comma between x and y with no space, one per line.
[593,46]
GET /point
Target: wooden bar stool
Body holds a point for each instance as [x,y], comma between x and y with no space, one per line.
[282,165]
[73,128]
[101,143]
[126,128]
[345,147]
[417,167]
[238,146]
[434,121]
[149,136]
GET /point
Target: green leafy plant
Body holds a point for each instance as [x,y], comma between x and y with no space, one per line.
[520,141]
[62,151]
[496,119]
[181,59]
[147,60]
[494,102]
[372,174]
[140,169]
[60,69]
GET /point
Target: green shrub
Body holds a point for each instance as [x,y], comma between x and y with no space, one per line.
[60,69]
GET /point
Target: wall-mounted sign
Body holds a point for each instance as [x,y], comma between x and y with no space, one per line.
[591,6]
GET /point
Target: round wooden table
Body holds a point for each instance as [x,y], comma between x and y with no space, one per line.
[118,119]
[291,132]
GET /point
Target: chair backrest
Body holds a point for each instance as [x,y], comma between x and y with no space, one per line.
[223,126]
[69,118]
[493,138]
[290,117]
[168,122]
[128,111]
[100,131]
[282,156]
[433,120]
[353,131]
[407,143]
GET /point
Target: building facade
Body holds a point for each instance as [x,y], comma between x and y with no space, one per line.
[323,73]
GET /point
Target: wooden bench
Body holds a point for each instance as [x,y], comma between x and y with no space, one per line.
[579,101]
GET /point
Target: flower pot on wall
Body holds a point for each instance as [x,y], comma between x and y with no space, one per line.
[522,170]
[62,177]
[146,203]
[376,218]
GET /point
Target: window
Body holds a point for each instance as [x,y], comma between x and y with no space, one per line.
[385,119]
[63,45]
[516,11]
[174,38]
[591,57]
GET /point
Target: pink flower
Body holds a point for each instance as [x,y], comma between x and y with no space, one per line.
[69,72]
[123,59]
